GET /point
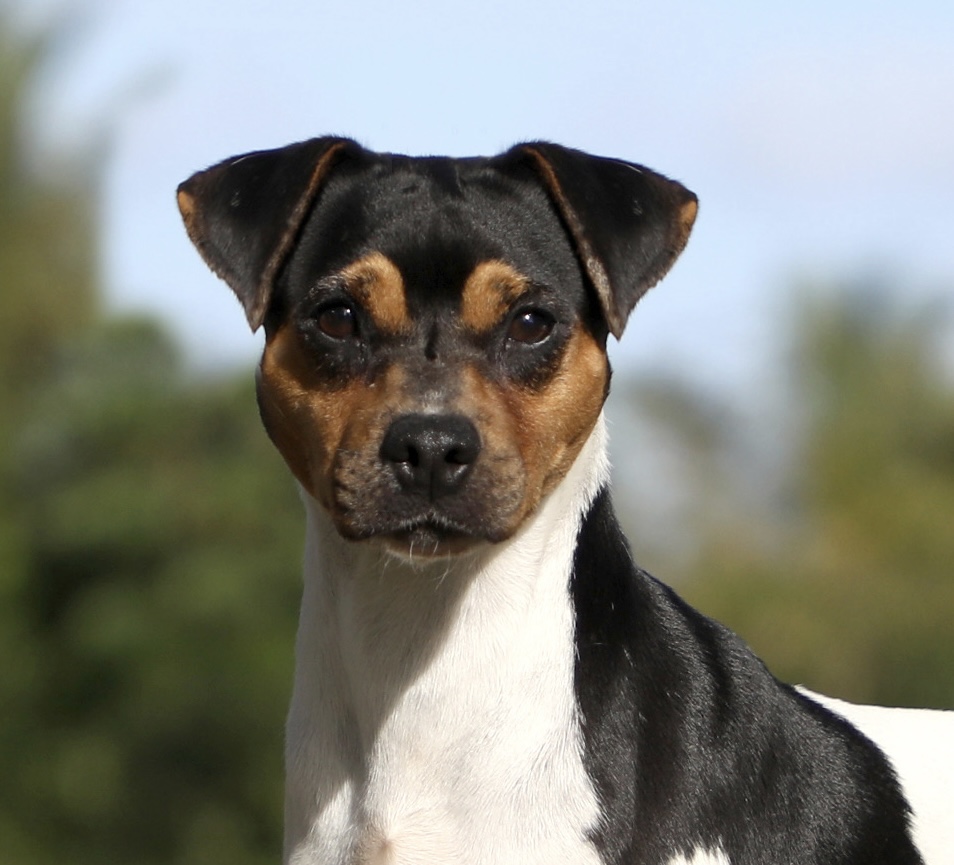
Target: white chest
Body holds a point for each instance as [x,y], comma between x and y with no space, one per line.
[468,781]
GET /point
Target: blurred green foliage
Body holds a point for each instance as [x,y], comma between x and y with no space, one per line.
[843,578]
[149,559]
[150,538]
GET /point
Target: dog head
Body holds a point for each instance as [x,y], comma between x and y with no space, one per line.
[435,328]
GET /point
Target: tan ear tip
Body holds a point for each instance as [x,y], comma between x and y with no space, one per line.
[688,213]
[186,202]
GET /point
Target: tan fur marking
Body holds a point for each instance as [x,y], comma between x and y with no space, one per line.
[556,422]
[186,207]
[488,293]
[547,428]
[376,283]
[310,422]
[687,218]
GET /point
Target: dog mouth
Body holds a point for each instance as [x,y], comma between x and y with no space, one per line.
[431,536]
[424,536]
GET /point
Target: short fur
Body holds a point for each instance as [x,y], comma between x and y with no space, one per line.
[482,673]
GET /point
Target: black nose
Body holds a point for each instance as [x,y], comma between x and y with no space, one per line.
[431,454]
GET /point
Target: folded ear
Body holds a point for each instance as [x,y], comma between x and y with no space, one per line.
[244,214]
[629,223]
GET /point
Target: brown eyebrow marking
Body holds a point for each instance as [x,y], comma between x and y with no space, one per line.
[376,283]
[489,292]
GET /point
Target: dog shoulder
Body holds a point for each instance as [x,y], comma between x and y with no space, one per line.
[919,744]
[680,713]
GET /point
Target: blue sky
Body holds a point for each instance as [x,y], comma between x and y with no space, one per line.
[818,135]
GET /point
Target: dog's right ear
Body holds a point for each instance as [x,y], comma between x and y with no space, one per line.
[244,214]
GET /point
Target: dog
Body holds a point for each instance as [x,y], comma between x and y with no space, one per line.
[482,673]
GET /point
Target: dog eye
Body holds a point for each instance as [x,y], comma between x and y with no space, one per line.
[530,326]
[337,321]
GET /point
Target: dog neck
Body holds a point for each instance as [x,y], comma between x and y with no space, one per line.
[385,616]
[399,657]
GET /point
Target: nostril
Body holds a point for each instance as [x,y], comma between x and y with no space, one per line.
[463,454]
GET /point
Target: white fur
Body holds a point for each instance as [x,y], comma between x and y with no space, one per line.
[433,718]
[702,857]
[920,745]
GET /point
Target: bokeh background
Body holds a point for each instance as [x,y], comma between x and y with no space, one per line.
[783,405]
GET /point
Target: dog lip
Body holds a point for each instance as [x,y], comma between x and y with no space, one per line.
[420,533]
[431,538]
[436,524]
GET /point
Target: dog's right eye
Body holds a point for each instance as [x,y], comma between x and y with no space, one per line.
[531,326]
[337,321]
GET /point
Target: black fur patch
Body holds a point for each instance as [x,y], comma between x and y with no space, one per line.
[692,744]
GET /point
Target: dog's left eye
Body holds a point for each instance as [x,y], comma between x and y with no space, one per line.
[337,321]
[530,326]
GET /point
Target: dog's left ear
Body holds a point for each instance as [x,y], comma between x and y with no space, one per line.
[629,224]
[244,214]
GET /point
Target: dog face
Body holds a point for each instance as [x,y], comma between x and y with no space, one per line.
[435,328]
